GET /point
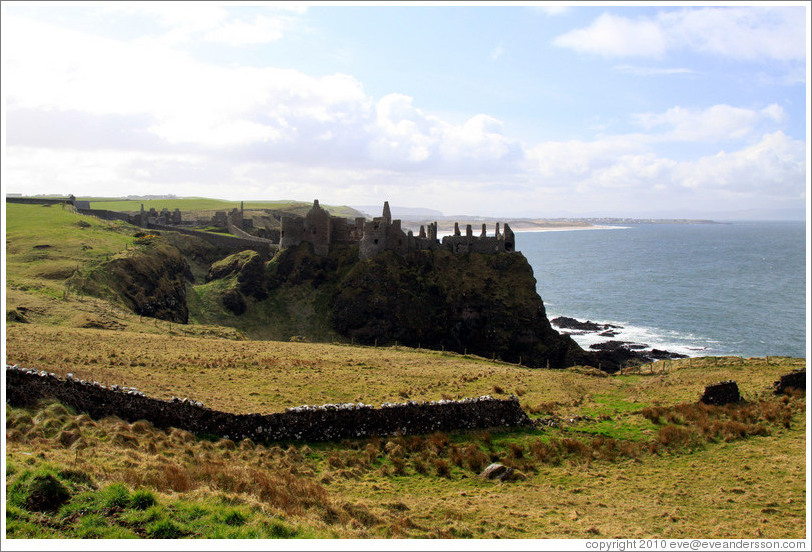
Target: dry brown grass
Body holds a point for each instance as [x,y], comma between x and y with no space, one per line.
[252,376]
[431,480]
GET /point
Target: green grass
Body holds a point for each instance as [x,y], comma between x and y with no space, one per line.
[127,480]
[196,204]
[116,512]
[45,245]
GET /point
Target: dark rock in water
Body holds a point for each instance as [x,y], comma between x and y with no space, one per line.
[794,380]
[724,392]
[568,323]
[611,345]
[638,346]
[573,324]
[608,333]
[659,354]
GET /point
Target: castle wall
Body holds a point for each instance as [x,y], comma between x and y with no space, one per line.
[292,232]
[225,241]
[108,215]
[317,229]
[308,423]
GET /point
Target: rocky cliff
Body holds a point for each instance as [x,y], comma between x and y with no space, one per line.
[150,280]
[481,304]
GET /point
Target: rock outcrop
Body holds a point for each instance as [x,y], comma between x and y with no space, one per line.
[150,281]
[473,303]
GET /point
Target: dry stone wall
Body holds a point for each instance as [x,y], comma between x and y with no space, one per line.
[24,387]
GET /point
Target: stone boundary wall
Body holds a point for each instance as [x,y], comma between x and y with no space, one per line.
[104,214]
[25,387]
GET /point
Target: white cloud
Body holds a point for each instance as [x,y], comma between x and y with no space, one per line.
[611,35]
[743,33]
[240,33]
[747,33]
[774,167]
[649,71]
[165,121]
[552,9]
[716,123]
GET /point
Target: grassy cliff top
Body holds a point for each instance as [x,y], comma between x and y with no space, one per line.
[200,204]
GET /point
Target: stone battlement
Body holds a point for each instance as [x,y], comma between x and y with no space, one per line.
[382,233]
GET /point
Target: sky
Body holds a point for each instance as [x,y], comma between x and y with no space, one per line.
[522,110]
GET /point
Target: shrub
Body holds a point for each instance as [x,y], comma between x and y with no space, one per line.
[116,496]
[516,450]
[673,435]
[576,448]
[438,441]
[398,465]
[44,492]
[163,529]
[475,459]
[234,518]
[176,478]
[278,530]
[142,499]
[442,468]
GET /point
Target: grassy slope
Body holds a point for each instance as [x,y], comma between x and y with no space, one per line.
[728,487]
[197,204]
[45,244]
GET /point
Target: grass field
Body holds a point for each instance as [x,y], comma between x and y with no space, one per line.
[200,204]
[626,455]
[616,465]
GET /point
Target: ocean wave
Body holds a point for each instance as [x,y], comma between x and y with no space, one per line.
[688,344]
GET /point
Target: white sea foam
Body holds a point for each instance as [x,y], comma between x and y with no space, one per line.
[688,344]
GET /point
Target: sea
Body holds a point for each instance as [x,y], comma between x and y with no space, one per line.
[699,289]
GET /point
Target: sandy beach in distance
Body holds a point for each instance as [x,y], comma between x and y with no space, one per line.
[563,228]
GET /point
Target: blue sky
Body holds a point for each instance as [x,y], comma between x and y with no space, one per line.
[523,110]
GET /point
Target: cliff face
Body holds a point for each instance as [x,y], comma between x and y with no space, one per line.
[151,282]
[481,304]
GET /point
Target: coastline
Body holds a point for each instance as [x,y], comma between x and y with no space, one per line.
[564,228]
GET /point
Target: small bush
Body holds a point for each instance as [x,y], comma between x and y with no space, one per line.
[116,496]
[279,530]
[442,468]
[176,478]
[398,465]
[516,450]
[673,435]
[576,448]
[234,518]
[163,529]
[45,493]
[142,499]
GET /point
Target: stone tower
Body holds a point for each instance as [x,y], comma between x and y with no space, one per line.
[317,229]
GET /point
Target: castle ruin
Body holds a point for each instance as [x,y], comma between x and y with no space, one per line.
[320,229]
